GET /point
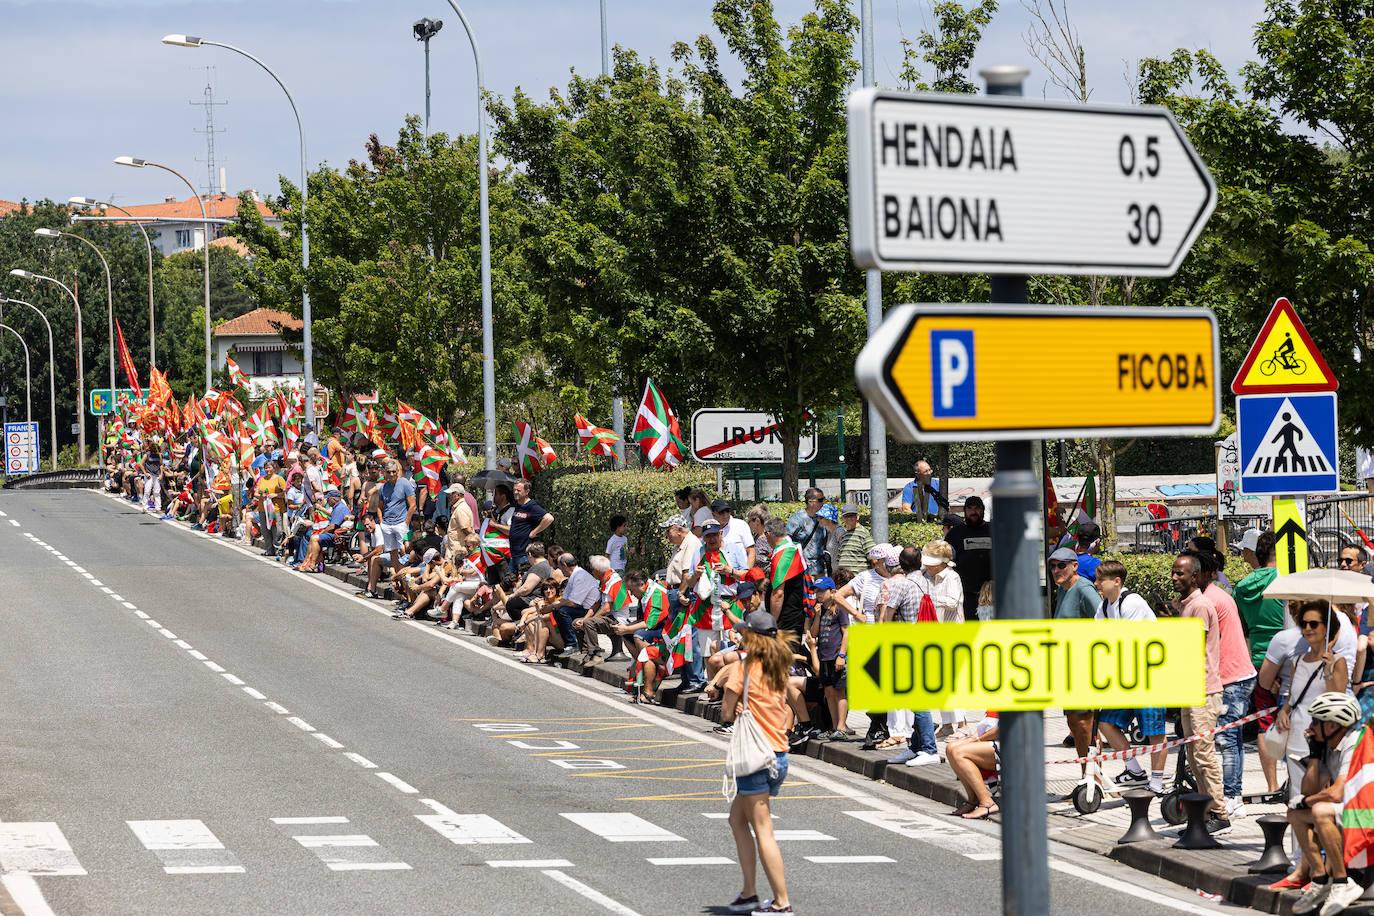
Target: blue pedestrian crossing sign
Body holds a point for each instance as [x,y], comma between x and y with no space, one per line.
[1287,443]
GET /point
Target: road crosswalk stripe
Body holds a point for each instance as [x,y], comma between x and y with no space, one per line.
[811,836]
[529,863]
[848,860]
[345,851]
[36,848]
[468,829]
[186,847]
[693,860]
[930,830]
[622,827]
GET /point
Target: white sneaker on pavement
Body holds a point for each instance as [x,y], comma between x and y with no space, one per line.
[923,760]
[1235,807]
[1311,899]
[1341,895]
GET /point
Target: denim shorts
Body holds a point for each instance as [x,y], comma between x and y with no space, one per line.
[1151,719]
[760,782]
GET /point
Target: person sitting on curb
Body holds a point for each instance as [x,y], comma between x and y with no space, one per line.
[970,759]
[1315,814]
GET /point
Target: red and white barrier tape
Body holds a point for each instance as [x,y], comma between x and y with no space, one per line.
[1167,745]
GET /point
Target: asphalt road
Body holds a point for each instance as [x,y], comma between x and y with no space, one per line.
[185,728]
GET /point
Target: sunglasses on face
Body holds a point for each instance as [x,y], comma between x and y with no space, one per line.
[1312,624]
[1061,564]
[1348,561]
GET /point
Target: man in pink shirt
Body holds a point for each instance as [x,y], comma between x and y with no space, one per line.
[1237,681]
[1202,754]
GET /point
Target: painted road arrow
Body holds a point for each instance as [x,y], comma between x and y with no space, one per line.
[965,184]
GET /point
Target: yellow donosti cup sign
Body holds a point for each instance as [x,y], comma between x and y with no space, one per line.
[1027,664]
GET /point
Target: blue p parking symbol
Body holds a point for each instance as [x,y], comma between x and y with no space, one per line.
[952,377]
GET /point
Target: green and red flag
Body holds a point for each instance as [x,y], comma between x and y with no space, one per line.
[261,428]
[494,548]
[656,429]
[526,451]
[614,590]
[236,376]
[547,456]
[1357,807]
[431,462]
[786,563]
[595,440]
[1085,510]
[654,603]
[355,418]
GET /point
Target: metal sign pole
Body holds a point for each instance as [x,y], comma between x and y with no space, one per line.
[1017,532]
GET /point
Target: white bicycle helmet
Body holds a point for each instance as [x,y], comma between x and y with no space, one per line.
[1337,708]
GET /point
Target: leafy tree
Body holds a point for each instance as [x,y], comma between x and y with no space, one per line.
[181,293]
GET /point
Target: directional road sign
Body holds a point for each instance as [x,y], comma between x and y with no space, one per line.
[958,372]
[1290,533]
[965,184]
[104,402]
[1287,443]
[21,448]
[726,435]
[1026,664]
[1283,358]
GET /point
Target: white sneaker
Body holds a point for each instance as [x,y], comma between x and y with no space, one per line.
[1235,807]
[923,760]
[1311,899]
[1341,895]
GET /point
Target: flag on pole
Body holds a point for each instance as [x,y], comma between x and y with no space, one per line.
[236,376]
[595,440]
[126,362]
[159,392]
[1052,529]
[656,429]
[1357,806]
[547,456]
[355,418]
[526,452]
[1085,509]
[431,462]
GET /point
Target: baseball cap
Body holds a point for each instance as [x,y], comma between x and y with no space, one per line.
[1064,554]
[949,520]
[710,528]
[672,520]
[829,513]
[1250,539]
[720,505]
[849,509]
[824,583]
[430,554]
[877,552]
[332,491]
[455,488]
[760,622]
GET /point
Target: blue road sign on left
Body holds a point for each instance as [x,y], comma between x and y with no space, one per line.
[1287,443]
[21,448]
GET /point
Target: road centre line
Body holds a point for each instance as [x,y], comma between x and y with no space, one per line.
[529,863]
[398,783]
[360,760]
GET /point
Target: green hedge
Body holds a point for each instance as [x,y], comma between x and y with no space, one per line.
[1147,574]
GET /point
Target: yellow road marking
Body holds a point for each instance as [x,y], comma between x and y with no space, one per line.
[580,731]
[683,766]
[532,721]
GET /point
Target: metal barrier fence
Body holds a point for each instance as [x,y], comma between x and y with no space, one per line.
[1332,522]
[1168,535]
[57,480]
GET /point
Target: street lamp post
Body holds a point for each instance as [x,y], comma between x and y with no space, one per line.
[52,378]
[424,30]
[488,338]
[617,402]
[205,238]
[80,363]
[28,376]
[86,202]
[109,288]
[192,41]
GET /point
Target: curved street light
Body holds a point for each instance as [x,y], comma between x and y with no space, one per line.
[52,376]
[136,163]
[80,364]
[109,288]
[193,41]
[28,376]
[91,202]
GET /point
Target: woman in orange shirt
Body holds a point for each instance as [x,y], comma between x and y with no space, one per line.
[767,659]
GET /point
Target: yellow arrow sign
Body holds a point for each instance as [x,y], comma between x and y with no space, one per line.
[1290,533]
[1027,664]
[957,372]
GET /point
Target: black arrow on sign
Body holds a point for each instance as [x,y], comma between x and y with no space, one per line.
[874,666]
[1291,531]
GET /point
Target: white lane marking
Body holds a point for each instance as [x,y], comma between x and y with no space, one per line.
[341,839]
[469,829]
[214,666]
[1126,887]
[326,819]
[301,724]
[233,679]
[14,523]
[349,852]
[398,783]
[983,856]
[196,654]
[186,847]
[255,693]
[367,866]
[152,623]
[803,836]
[183,644]
[116,597]
[723,815]
[78,569]
[326,740]
[360,760]
[931,830]
[106,589]
[554,745]
[849,860]
[168,633]
[277,708]
[23,890]
[621,827]
[88,576]
[37,848]
[141,616]
[693,860]
[130,605]
[529,863]
[591,893]
[586,763]
[4,515]
[97,583]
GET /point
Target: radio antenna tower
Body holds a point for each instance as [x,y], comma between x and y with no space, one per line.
[215,181]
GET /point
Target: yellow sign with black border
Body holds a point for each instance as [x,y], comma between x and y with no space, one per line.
[1027,664]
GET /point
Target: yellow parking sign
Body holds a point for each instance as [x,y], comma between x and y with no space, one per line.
[1027,664]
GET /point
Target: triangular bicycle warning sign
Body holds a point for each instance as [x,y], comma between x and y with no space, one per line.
[1283,358]
[1287,447]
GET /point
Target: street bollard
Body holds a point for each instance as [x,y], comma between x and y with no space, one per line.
[1275,856]
[1195,835]
[1140,829]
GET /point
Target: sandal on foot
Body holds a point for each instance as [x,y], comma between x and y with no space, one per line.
[962,809]
[973,815]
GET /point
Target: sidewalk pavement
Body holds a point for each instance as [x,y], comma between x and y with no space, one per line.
[1219,874]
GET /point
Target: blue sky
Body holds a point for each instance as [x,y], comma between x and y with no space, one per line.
[82,81]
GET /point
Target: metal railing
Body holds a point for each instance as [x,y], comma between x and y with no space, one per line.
[57,480]
[1332,522]
[1168,535]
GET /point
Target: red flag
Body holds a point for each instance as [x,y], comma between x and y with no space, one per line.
[126,362]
